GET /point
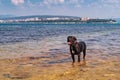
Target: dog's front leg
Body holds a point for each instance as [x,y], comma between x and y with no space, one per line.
[78,57]
[72,54]
[73,58]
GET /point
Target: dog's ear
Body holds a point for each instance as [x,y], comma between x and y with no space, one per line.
[68,38]
[74,38]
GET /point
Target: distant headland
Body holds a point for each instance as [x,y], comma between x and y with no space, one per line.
[54,19]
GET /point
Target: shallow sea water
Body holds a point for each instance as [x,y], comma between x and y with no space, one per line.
[40,52]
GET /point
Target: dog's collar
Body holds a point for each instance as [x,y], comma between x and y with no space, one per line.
[76,42]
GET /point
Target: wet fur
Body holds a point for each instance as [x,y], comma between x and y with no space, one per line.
[76,48]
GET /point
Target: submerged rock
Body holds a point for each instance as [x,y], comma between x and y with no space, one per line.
[109,75]
[85,69]
[16,76]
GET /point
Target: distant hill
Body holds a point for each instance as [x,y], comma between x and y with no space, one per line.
[38,16]
[117,19]
[52,19]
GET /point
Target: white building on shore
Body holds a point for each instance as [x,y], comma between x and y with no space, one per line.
[1,21]
[85,19]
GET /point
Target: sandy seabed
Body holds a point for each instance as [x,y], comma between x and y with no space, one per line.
[29,61]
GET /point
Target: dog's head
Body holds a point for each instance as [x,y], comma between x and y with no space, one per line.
[71,40]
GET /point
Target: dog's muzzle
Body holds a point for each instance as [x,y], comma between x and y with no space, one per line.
[69,43]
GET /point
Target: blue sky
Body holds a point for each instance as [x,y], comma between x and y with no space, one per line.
[81,8]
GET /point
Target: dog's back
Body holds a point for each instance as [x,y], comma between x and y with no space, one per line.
[82,46]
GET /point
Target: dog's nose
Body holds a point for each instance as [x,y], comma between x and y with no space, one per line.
[68,43]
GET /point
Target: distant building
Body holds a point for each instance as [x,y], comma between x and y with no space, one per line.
[54,18]
[85,19]
[1,21]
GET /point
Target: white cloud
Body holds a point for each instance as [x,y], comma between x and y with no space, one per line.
[17,2]
[61,1]
[75,3]
[111,1]
[53,2]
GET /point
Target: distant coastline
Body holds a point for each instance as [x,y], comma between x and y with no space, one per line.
[54,19]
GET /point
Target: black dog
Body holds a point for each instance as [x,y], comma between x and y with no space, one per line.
[76,48]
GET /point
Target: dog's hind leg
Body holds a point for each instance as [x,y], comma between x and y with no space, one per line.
[84,53]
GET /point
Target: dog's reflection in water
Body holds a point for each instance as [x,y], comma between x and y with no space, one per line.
[81,64]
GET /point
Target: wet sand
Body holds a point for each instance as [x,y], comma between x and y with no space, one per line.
[29,61]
